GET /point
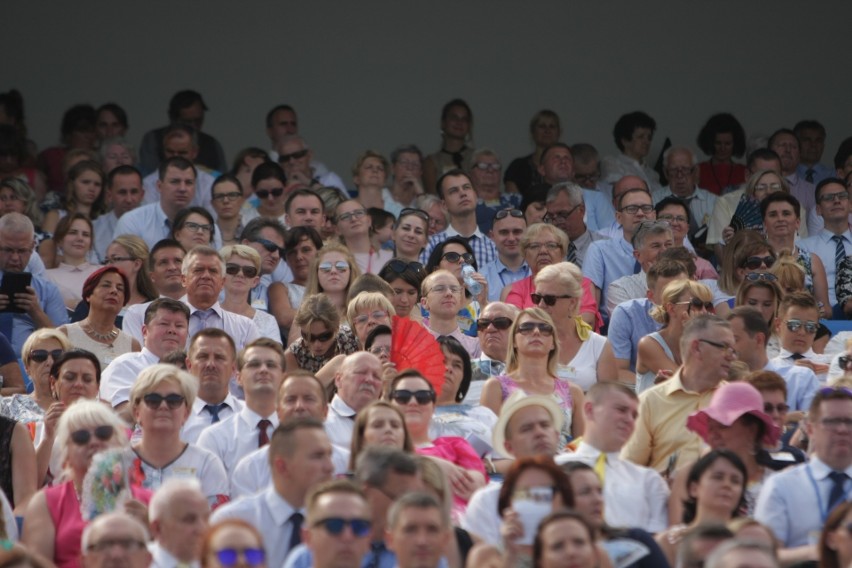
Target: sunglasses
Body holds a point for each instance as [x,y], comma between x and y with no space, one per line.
[549,299]
[417,212]
[294,156]
[270,246]
[102,433]
[697,304]
[455,256]
[844,361]
[265,193]
[503,213]
[780,408]
[500,323]
[403,396]
[319,337]
[335,525]
[766,276]
[528,327]
[755,262]
[234,269]
[41,355]
[339,266]
[154,400]
[400,266]
[251,556]
[795,325]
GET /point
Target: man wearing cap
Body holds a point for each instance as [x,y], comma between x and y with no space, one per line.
[660,440]
[796,502]
[528,426]
[635,496]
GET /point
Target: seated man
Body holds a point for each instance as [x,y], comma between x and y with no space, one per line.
[649,240]
[442,295]
[178,519]
[485,169]
[682,173]
[796,327]
[358,383]
[295,157]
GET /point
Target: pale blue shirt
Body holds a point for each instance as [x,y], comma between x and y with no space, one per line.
[821,171]
[821,245]
[630,322]
[104,227]
[606,261]
[241,329]
[499,276]
[148,222]
[599,212]
[802,383]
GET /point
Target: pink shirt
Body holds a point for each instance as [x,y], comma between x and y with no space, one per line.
[519,295]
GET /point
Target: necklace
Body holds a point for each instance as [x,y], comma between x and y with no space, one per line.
[102,337]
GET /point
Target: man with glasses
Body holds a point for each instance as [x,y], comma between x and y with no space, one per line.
[492,328]
[682,174]
[660,440]
[124,192]
[796,327]
[650,239]
[40,303]
[566,209]
[442,295]
[834,242]
[509,266]
[296,158]
[485,174]
[358,383]
[115,539]
[796,502]
[299,458]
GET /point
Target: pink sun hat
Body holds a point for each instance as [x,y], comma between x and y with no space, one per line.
[730,402]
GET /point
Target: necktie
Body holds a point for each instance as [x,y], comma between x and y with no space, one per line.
[262,436]
[214,410]
[376,550]
[637,268]
[809,175]
[835,497]
[296,536]
[600,467]
[839,251]
[572,253]
[796,356]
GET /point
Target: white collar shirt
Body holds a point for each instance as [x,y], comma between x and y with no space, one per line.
[236,437]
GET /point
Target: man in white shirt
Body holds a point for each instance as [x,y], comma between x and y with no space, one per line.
[650,239]
[509,266]
[492,328]
[635,496]
[796,327]
[260,371]
[358,382]
[795,503]
[566,209]
[299,458]
[181,141]
[176,187]
[164,264]
[212,359]
[682,173]
[165,330]
[124,192]
[178,515]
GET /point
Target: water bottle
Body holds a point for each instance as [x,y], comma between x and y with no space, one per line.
[474,287]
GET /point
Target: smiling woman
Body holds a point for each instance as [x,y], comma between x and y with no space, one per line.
[73,238]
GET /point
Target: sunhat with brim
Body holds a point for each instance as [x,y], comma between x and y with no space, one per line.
[518,401]
[730,402]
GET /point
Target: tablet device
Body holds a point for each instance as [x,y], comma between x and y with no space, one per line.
[15,283]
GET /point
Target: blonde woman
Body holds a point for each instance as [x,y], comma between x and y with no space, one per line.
[130,254]
[332,272]
[659,352]
[242,274]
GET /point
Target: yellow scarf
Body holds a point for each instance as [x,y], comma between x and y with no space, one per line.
[584,330]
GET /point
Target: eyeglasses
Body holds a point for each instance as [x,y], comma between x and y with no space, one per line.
[380,350]
[270,246]
[780,408]
[403,396]
[197,227]
[357,214]
[442,288]
[126,544]
[319,337]
[672,219]
[634,209]
[339,266]
[551,246]
[265,193]
[103,433]
[400,266]
[115,259]
[830,197]
[377,315]
[698,304]
[835,422]
[755,262]
[528,327]
[234,269]
[417,212]
[679,172]
[503,213]
[41,355]
[755,276]
[767,187]
[549,299]
[251,556]
[795,325]
[455,256]
[560,216]
[230,196]
[335,525]
[13,251]
[486,167]
[722,346]
[500,323]
[293,156]
[844,361]
[154,400]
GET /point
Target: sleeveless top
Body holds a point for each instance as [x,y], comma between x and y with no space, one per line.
[561,394]
[583,368]
[804,259]
[7,428]
[645,380]
[64,508]
[105,353]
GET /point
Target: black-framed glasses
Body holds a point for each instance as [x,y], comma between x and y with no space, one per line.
[339,266]
[404,396]
[336,525]
[500,323]
[560,215]
[356,214]
[230,196]
[154,400]
[116,259]
[265,193]
[270,246]
[844,361]
[755,262]
[41,355]
[234,269]
[528,327]
[679,172]
[795,325]
[321,337]
[455,256]
[698,304]
[829,197]
[103,433]
[766,276]
[780,408]
[198,227]
[549,299]
[503,213]
[634,209]
[400,266]
[672,218]
[416,212]
[721,346]
[284,158]
[230,556]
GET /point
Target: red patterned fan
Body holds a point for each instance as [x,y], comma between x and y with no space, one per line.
[413,347]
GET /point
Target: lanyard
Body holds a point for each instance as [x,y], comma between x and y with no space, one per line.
[823,509]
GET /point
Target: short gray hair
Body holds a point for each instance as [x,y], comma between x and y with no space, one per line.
[649,229]
[168,491]
[674,149]
[16,223]
[479,153]
[376,462]
[696,327]
[717,557]
[574,191]
[108,519]
[201,250]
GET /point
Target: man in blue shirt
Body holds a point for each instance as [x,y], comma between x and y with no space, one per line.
[509,266]
[41,304]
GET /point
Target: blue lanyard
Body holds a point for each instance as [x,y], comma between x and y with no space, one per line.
[823,509]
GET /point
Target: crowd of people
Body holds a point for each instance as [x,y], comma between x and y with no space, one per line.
[576,360]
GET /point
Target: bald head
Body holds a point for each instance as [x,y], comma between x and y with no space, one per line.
[359,381]
[624,185]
